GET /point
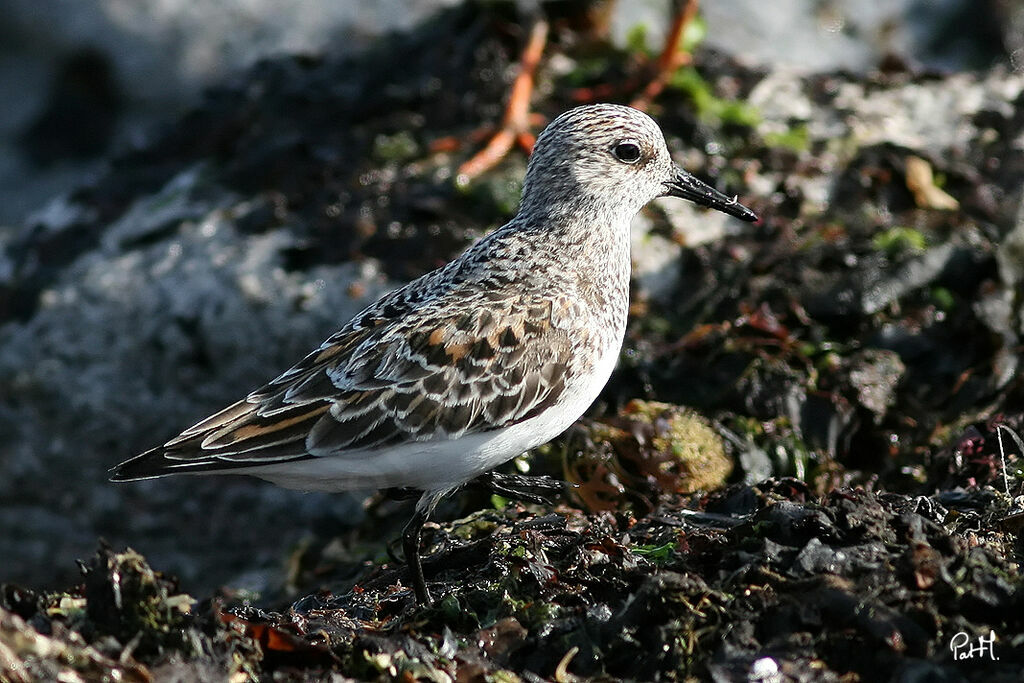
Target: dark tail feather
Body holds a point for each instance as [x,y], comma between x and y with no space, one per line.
[155,463]
[148,465]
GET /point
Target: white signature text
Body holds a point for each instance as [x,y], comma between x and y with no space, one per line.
[962,647]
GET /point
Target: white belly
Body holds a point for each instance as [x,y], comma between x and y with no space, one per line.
[441,463]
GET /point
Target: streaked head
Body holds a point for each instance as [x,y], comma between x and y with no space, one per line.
[615,156]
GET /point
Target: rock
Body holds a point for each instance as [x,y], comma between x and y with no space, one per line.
[174,314]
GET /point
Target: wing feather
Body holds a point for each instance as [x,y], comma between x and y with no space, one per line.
[395,374]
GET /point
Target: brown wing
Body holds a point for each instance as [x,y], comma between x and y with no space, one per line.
[385,381]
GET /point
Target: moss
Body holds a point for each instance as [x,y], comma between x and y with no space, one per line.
[796,139]
[899,239]
[696,448]
[694,34]
[399,147]
[636,39]
[657,554]
[586,70]
[477,525]
[530,611]
[710,108]
[647,449]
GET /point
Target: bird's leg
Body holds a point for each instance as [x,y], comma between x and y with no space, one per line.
[515,127]
[411,546]
[517,487]
[397,493]
[512,486]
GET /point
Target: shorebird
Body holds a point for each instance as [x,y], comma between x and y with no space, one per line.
[468,366]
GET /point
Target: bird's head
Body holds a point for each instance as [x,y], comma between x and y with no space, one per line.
[613,155]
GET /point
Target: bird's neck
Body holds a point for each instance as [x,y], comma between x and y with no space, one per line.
[589,247]
[585,229]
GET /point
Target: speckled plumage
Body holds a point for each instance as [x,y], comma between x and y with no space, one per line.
[470,365]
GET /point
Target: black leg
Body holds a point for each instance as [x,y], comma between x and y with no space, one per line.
[514,486]
[411,546]
[517,487]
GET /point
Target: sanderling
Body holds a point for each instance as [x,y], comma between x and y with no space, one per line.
[466,367]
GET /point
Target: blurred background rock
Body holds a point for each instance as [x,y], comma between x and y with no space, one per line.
[81,76]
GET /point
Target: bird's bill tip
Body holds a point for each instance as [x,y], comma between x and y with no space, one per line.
[686,186]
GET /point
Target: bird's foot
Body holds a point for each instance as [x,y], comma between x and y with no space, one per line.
[518,487]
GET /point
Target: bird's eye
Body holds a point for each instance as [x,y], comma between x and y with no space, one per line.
[627,152]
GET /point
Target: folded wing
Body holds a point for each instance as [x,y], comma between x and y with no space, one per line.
[413,375]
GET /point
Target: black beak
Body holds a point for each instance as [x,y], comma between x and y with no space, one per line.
[685,186]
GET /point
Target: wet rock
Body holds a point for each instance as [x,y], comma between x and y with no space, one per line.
[875,376]
[81,112]
[802,35]
[119,351]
